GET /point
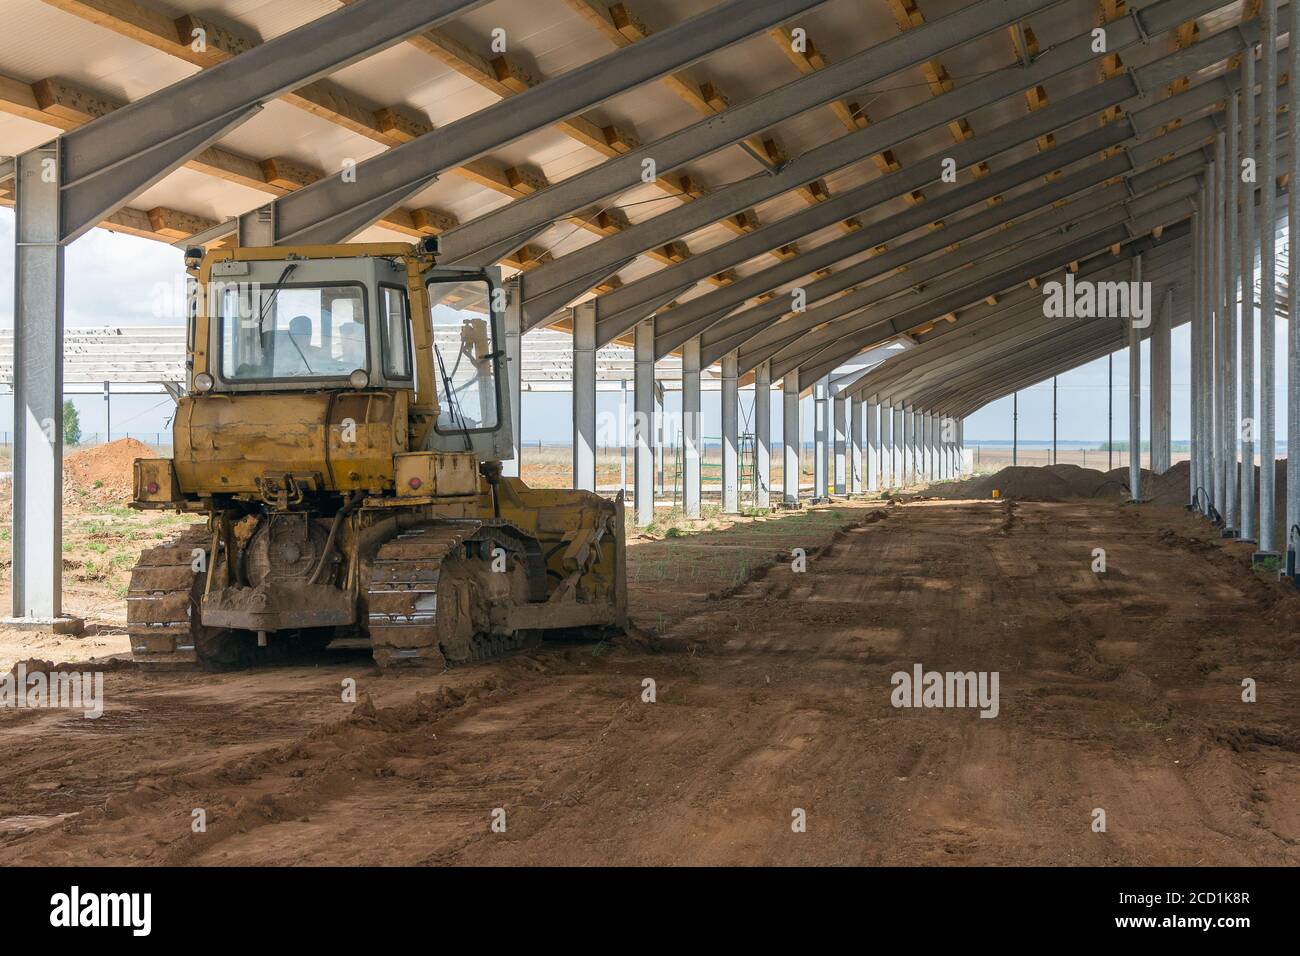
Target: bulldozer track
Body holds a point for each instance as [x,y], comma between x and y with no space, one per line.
[159,600]
[404,594]
[163,619]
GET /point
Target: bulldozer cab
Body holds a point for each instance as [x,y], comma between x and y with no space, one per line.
[357,318]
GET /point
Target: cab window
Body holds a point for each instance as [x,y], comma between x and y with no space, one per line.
[465,356]
[292,332]
[396,332]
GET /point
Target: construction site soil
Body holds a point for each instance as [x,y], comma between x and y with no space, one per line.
[1120,690]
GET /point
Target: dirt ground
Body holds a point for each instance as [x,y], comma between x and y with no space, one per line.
[1119,691]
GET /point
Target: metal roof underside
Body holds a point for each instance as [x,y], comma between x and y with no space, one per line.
[1066,159]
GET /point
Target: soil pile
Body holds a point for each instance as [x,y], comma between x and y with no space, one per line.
[104,473]
[1170,489]
[1091,483]
[1173,489]
[1053,483]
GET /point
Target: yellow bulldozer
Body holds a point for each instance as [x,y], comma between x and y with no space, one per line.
[342,430]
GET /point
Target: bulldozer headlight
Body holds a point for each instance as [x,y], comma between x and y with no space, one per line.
[359,379]
[415,483]
[203,382]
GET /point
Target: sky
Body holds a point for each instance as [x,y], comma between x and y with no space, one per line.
[114,280]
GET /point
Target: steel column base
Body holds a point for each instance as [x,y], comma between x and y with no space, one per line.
[54,625]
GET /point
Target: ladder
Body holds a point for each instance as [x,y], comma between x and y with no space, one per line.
[748,466]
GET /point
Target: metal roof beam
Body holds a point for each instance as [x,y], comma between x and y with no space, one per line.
[116,157]
[998,275]
[681,323]
[885,293]
[1018,323]
[1011,241]
[756,346]
[632,296]
[467,243]
[545,290]
[738,331]
[754,321]
[1043,364]
[1014,372]
[334,210]
[1166,257]
[982,280]
[687,320]
[968,359]
[1025,362]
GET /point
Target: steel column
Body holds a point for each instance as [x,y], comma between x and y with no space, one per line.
[1232,259]
[1268,544]
[1161,383]
[643,400]
[840,411]
[514,375]
[909,446]
[38,388]
[584,396]
[934,448]
[820,429]
[871,461]
[1291,538]
[730,438]
[1246,523]
[900,448]
[691,428]
[762,436]
[1200,358]
[923,445]
[886,446]
[1135,397]
[858,457]
[1217,300]
[790,437]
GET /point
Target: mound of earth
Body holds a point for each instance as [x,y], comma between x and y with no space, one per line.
[1050,483]
[1170,489]
[1091,483]
[1173,488]
[104,473]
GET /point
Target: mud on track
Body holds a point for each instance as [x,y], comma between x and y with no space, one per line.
[1119,691]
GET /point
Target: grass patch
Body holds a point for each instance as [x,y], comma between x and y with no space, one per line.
[1268,566]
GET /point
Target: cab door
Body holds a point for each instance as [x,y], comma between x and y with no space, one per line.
[467,321]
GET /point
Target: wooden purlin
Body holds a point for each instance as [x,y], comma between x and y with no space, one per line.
[159,223]
[219,42]
[58,103]
[1186,35]
[908,16]
[1111,64]
[65,106]
[504,76]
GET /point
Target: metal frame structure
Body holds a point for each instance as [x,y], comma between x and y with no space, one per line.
[899,268]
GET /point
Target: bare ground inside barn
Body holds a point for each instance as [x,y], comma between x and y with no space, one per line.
[1119,691]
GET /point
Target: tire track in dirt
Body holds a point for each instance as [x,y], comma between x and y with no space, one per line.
[1118,691]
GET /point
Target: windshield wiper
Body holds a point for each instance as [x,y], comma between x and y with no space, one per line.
[453,400]
[270,300]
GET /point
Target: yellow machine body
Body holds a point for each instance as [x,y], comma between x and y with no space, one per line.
[365,500]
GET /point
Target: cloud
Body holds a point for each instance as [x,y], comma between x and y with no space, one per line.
[109,279]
